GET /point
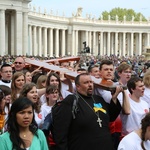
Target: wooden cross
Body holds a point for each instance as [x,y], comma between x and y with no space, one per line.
[99,122]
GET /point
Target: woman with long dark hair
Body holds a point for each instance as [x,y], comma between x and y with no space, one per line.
[22,130]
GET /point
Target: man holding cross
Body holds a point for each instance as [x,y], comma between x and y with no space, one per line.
[90,128]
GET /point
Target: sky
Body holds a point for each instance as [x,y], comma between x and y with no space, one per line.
[93,7]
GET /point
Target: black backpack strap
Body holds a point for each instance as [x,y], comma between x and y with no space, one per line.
[75,108]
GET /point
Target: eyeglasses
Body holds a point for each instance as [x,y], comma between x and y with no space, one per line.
[18,63]
[7,72]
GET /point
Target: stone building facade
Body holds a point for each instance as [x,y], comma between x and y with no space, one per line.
[25,30]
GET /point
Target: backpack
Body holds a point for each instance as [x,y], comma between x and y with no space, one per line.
[46,127]
[75,108]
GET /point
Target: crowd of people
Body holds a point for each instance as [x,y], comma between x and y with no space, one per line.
[105,118]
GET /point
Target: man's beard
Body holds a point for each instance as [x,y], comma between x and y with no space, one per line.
[89,94]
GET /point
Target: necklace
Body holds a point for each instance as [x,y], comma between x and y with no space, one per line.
[96,113]
[24,136]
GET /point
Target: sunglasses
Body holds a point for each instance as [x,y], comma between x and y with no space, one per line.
[18,63]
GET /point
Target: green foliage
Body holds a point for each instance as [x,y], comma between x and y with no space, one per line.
[122,14]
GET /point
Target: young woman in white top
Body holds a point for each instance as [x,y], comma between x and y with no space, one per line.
[54,79]
[52,96]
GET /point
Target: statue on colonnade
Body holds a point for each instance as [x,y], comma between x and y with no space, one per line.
[79,12]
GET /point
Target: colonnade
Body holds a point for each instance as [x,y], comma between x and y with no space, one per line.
[26,32]
[13,32]
[54,42]
[46,41]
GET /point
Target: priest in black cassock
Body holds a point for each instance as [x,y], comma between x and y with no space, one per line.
[89,130]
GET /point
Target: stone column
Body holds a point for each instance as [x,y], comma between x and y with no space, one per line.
[73,41]
[112,43]
[132,44]
[128,43]
[40,41]
[76,43]
[7,33]
[137,43]
[57,43]
[124,44]
[140,44]
[25,33]
[86,37]
[30,52]
[108,43]
[145,41]
[18,36]
[89,39]
[34,41]
[93,48]
[105,43]
[97,42]
[120,44]
[12,34]
[51,42]
[45,42]
[148,39]
[101,45]
[116,43]
[63,43]
[2,32]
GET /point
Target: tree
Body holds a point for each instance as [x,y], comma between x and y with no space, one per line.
[120,13]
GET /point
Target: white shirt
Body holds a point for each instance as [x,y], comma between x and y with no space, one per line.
[3,83]
[38,118]
[132,122]
[120,96]
[45,110]
[132,142]
[105,94]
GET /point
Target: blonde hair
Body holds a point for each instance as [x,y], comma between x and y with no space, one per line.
[41,80]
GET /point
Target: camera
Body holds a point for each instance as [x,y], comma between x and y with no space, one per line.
[86,49]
